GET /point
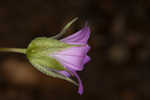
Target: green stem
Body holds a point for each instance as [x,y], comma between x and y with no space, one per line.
[16,50]
[63,31]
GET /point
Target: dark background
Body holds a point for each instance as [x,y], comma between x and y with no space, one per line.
[120,48]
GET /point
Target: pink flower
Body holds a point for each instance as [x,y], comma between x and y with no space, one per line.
[59,58]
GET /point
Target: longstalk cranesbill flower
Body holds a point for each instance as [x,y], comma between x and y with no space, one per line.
[59,58]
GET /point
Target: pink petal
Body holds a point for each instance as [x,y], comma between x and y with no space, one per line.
[80,88]
[75,51]
[86,60]
[74,57]
[64,73]
[80,37]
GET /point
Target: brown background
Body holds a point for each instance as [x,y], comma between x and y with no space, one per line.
[120,48]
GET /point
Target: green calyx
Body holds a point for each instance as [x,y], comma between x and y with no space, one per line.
[40,49]
[38,53]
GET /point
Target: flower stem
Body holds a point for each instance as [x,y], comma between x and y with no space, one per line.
[63,31]
[16,50]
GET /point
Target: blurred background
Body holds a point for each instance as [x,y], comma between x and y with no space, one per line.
[120,48]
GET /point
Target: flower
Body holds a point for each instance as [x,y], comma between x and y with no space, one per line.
[61,58]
